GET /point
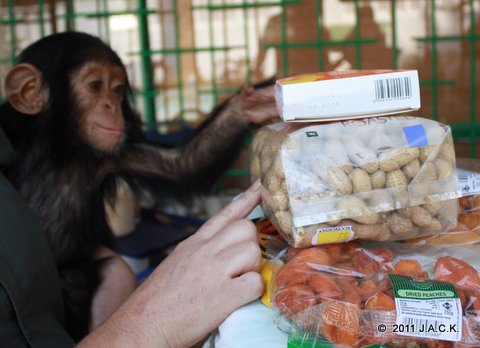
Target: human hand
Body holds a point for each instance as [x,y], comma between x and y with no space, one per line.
[192,291]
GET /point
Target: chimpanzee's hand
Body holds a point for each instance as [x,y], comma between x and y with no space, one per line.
[257,105]
[192,291]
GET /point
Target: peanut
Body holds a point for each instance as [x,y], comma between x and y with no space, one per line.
[361,156]
[434,227]
[419,216]
[274,184]
[337,180]
[279,201]
[400,224]
[360,181]
[429,153]
[447,152]
[284,219]
[444,169]
[381,200]
[277,166]
[265,162]
[334,147]
[427,173]
[411,169]
[259,140]
[396,178]
[397,158]
[432,207]
[378,179]
[361,231]
[255,169]
[357,210]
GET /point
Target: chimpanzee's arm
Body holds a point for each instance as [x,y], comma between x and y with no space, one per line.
[196,166]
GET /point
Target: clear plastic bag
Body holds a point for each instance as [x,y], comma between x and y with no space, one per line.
[380,178]
[467,230]
[343,294]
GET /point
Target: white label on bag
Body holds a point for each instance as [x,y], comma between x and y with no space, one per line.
[428,309]
[468,182]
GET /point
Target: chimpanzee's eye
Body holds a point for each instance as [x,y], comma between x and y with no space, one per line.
[95,85]
[120,89]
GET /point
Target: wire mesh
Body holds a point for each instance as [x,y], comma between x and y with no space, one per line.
[185,56]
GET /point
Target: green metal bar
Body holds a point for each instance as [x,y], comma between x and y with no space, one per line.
[324,43]
[222,90]
[473,88]
[181,101]
[11,16]
[216,7]
[425,83]
[148,94]
[237,172]
[283,46]
[147,74]
[11,21]
[462,131]
[447,38]
[185,50]
[71,14]
[226,58]
[212,56]
[115,13]
[246,34]
[393,6]
[162,13]
[41,18]
[320,34]
[106,21]
[433,27]
[358,36]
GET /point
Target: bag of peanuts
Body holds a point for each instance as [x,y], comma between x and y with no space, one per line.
[380,178]
[370,294]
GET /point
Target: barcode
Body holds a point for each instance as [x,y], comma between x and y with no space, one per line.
[422,325]
[394,88]
[462,176]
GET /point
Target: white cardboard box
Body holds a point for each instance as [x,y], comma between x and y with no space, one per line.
[337,95]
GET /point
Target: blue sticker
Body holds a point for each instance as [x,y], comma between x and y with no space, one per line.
[416,135]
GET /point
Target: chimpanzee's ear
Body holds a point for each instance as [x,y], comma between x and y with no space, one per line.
[23,87]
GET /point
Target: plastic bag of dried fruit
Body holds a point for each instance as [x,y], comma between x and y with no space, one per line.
[359,294]
[379,178]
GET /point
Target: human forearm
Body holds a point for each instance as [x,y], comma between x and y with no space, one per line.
[193,290]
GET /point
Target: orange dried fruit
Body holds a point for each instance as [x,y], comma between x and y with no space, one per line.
[340,322]
[350,292]
[455,271]
[295,299]
[334,250]
[292,273]
[315,255]
[411,268]
[380,301]
[324,286]
[364,263]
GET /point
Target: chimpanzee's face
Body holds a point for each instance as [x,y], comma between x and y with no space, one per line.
[99,89]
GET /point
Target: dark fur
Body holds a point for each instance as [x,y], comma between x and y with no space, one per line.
[65,182]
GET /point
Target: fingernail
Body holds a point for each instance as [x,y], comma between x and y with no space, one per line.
[256,185]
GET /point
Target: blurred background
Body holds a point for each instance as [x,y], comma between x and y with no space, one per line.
[186,56]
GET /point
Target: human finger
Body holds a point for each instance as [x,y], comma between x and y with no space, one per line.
[237,209]
[239,231]
[246,288]
[240,258]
